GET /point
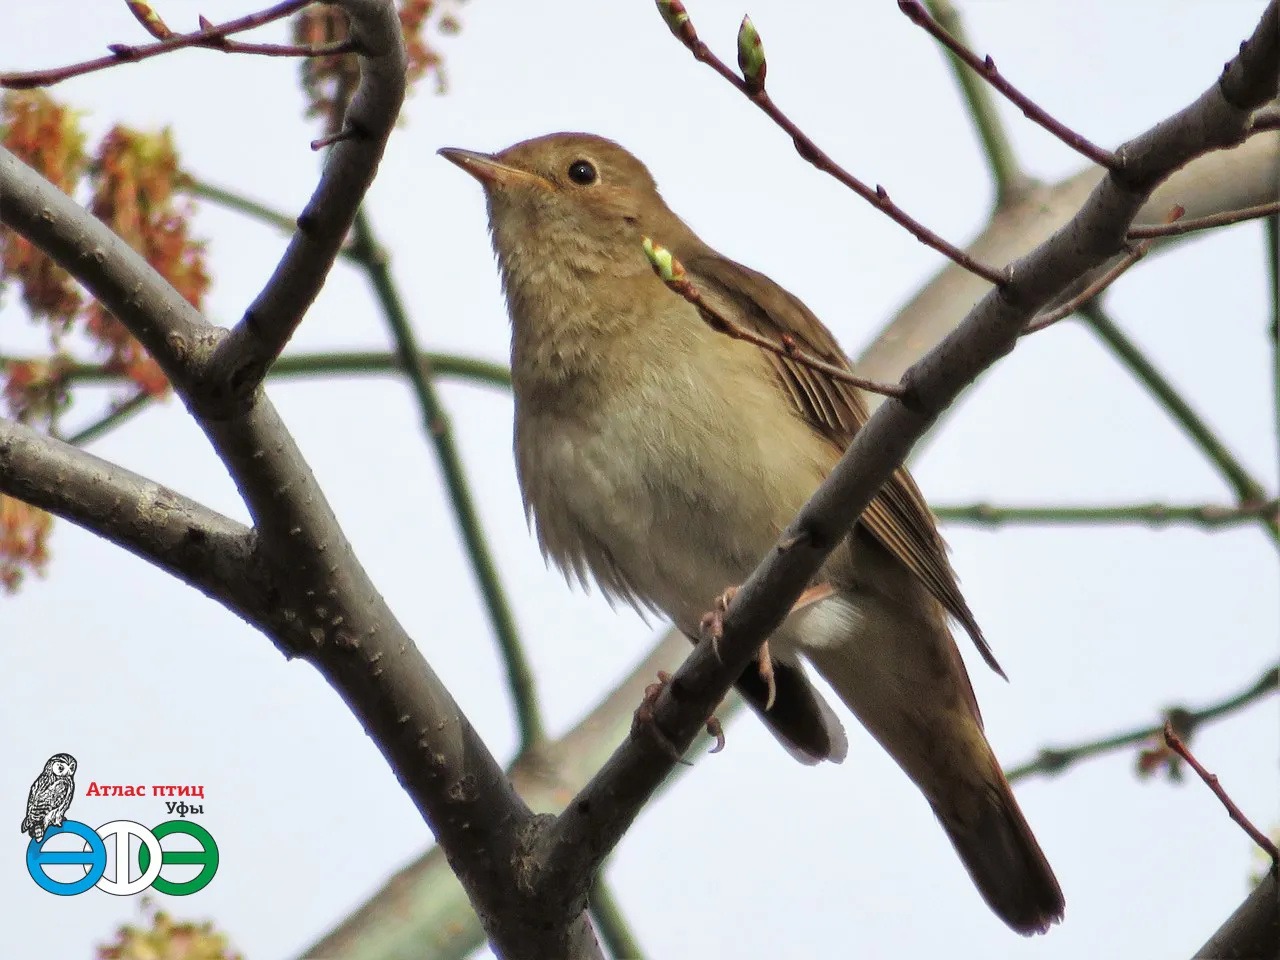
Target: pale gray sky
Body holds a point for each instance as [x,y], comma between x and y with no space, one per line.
[750,855]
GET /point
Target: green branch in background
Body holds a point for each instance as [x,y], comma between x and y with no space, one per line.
[437,365]
[1010,181]
[1273,284]
[366,251]
[1246,487]
[117,414]
[241,204]
[1206,516]
[611,924]
[1054,760]
[290,366]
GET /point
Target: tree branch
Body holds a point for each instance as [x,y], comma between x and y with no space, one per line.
[1224,219]
[339,622]
[1273,284]
[212,35]
[612,923]
[117,414]
[1247,488]
[1010,180]
[1210,780]
[303,365]
[435,421]
[422,911]
[986,68]
[199,546]
[241,360]
[1205,516]
[1051,761]
[878,197]
[574,846]
[1224,180]
[1253,931]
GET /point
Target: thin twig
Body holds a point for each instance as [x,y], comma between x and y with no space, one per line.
[1054,760]
[1223,219]
[208,36]
[366,250]
[295,365]
[1100,283]
[1135,253]
[1211,781]
[1206,516]
[986,68]
[672,272]
[1010,180]
[811,152]
[611,923]
[1247,488]
[237,202]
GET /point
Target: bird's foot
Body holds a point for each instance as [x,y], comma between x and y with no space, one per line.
[712,626]
[644,718]
[712,623]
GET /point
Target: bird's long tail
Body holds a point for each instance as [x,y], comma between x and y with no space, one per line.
[904,680]
[1002,856]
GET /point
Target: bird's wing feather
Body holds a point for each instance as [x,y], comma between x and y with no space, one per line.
[898,517]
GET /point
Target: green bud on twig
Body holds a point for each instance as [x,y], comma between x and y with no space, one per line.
[665,265]
[751,56]
[677,18]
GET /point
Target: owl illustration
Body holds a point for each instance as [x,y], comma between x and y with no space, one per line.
[50,796]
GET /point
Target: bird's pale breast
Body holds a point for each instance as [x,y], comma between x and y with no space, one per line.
[675,478]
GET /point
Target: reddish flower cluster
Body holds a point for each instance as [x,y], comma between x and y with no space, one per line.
[24,533]
[133,193]
[329,81]
[46,136]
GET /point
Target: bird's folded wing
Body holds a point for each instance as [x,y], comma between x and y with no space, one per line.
[898,517]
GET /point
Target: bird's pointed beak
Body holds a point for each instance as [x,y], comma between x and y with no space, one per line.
[489,170]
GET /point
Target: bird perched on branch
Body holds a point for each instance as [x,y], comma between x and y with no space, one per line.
[664,459]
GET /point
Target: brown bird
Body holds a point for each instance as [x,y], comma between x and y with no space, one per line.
[664,459]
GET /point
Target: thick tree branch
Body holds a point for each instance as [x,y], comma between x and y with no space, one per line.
[197,545]
[435,422]
[338,620]
[422,911]
[590,827]
[241,360]
[1224,180]
[1253,931]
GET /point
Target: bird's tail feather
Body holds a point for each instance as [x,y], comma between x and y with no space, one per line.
[1006,863]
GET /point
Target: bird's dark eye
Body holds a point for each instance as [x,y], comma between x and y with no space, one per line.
[582,172]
